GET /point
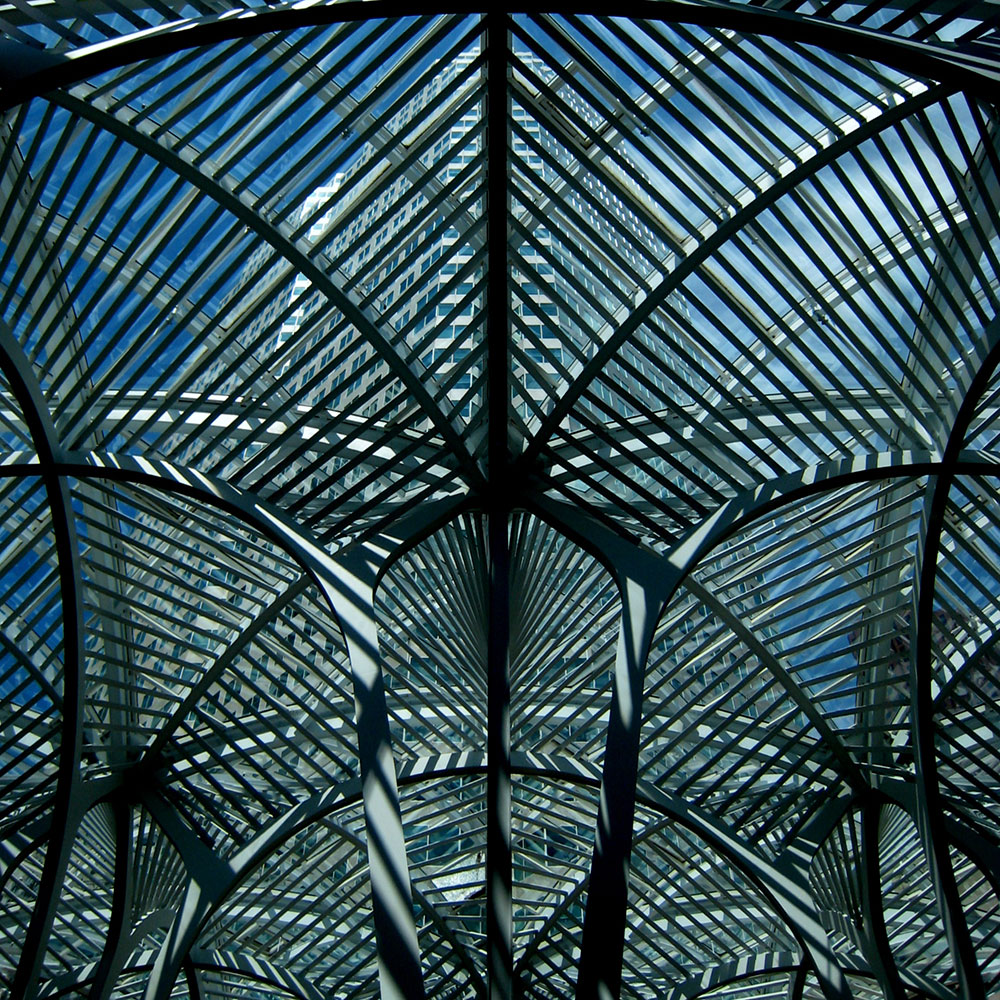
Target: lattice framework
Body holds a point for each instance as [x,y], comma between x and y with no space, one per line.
[499,504]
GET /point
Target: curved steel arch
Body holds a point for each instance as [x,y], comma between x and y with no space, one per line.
[502,450]
[66,811]
[659,571]
[37,72]
[284,244]
[929,812]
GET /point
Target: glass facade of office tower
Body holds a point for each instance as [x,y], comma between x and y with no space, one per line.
[499,505]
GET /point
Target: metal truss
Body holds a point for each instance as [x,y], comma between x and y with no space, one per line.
[499,504]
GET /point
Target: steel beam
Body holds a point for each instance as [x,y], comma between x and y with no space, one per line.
[193,980]
[499,892]
[279,236]
[781,881]
[645,583]
[605,917]
[350,589]
[877,947]
[119,944]
[30,72]
[498,497]
[755,204]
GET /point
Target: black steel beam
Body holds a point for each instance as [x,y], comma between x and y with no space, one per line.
[31,72]
[498,500]
[605,916]
[119,944]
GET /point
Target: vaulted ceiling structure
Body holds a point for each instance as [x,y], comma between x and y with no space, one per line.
[499,504]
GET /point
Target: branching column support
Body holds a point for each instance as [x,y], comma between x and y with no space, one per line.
[499,907]
[601,951]
[877,948]
[120,943]
[68,806]
[351,592]
[348,586]
[929,804]
[193,980]
[210,878]
[646,582]
[499,904]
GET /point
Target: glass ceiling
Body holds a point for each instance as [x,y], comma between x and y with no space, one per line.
[499,505]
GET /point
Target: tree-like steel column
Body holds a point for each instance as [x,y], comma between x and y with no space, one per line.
[643,594]
[348,589]
[499,903]
[499,906]
[929,805]
[875,939]
[68,806]
[120,943]
[741,510]
[646,582]
[352,594]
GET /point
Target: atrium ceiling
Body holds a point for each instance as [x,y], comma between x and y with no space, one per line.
[499,504]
